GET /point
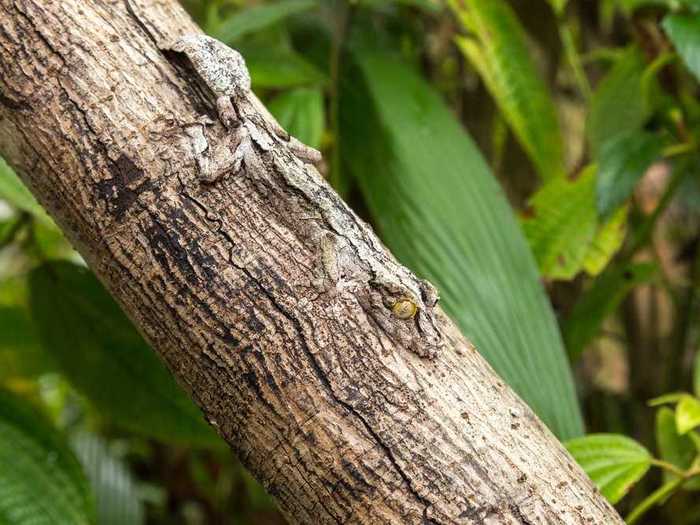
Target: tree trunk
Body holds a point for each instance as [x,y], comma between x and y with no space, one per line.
[272,304]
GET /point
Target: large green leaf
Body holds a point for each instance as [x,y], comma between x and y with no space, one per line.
[563,230]
[103,356]
[618,104]
[623,161]
[259,17]
[600,301]
[300,112]
[116,493]
[674,448]
[614,462]
[280,67]
[684,32]
[498,50]
[21,354]
[443,214]
[41,482]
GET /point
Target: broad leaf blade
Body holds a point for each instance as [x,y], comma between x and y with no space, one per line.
[103,356]
[21,353]
[256,18]
[280,68]
[600,301]
[41,482]
[684,32]
[562,227]
[443,214]
[618,104]
[300,112]
[116,493]
[614,462]
[608,240]
[623,161]
[499,52]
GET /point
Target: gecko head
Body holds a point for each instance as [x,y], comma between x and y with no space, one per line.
[221,68]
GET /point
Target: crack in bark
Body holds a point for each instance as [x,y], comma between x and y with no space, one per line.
[320,374]
[379,469]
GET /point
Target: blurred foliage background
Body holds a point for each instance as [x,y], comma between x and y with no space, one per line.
[537,160]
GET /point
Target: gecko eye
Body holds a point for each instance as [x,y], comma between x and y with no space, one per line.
[404,308]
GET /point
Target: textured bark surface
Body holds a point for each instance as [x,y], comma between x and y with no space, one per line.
[267,298]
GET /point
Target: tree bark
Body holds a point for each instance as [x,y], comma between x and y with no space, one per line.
[263,293]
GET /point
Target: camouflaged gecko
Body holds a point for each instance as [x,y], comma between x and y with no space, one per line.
[223,72]
[354,262]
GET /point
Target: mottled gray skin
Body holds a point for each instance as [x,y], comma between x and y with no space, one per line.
[224,73]
[221,68]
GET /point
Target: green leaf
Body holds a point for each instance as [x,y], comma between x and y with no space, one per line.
[13,190]
[281,68]
[499,51]
[673,397]
[600,301]
[558,6]
[623,161]
[687,414]
[614,462]
[116,493]
[41,482]
[21,353]
[618,104]
[674,448]
[300,112]
[684,32]
[561,225]
[255,18]
[105,358]
[443,214]
[607,242]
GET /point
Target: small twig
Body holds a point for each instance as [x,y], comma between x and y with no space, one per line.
[670,467]
[574,59]
[660,494]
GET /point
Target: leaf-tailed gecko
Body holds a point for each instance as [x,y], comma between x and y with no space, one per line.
[356,262]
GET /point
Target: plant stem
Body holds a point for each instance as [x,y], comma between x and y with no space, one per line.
[675,150]
[573,57]
[670,467]
[656,497]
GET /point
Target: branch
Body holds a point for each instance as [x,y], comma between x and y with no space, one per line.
[275,307]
